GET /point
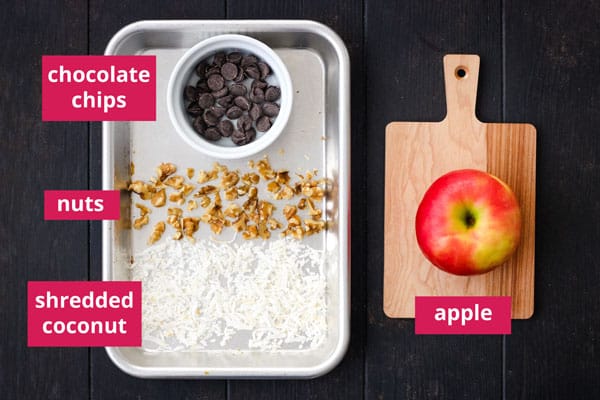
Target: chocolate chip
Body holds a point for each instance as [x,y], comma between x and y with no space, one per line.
[212,133]
[219,59]
[264,69]
[237,89]
[251,133]
[234,112]
[252,71]
[257,95]
[272,93]
[240,76]
[220,93]
[225,127]
[211,118]
[263,124]
[247,60]
[244,123]
[202,87]
[190,93]
[225,101]
[270,109]
[215,82]
[199,125]
[212,70]
[242,103]
[234,57]
[218,111]
[229,71]
[241,138]
[255,112]
[194,109]
[201,69]
[257,83]
[206,100]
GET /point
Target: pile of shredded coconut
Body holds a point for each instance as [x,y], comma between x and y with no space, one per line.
[266,296]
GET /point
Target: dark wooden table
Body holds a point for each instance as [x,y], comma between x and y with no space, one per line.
[540,63]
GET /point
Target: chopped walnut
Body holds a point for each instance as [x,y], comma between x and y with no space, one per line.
[251,232]
[231,194]
[143,209]
[273,187]
[143,189]
[240,223]
[263,231]
[313,211]
[252,192]
[232,211]
[204,201]
[190,226]
[164,170]
[192,205]
[186,189]
[208,189]
[229,179]
[175,181]
[159,198]
[264,169]
[250,178]
[289,211]
[156,234]
[282,177]
[274,224]
[177,197]
[265,210]
[302,204]
[204,176]
[141,221]
[286,193]
[174,219]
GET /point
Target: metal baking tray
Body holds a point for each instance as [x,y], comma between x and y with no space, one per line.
[317,136]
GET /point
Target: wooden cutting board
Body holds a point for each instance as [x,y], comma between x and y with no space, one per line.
[417,153]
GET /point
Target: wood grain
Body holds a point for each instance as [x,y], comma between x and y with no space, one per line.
[37,156]
[553,81]
[404,47]
[417,153]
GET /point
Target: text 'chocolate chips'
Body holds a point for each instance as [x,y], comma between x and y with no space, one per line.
[231,97]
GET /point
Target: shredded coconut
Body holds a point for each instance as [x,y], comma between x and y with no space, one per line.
[267,296]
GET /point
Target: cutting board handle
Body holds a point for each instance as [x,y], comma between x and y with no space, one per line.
[461,72]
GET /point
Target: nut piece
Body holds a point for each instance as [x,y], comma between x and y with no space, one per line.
[175,181]
[192,205]
[156,234]
[190,173]
[164,170]
[143,189]
[159,198]
[190,226]
[141,221]
[143,209]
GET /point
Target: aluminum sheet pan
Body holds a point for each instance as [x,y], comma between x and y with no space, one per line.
[316,136]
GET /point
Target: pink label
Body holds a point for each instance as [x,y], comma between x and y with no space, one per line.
[470,315]
[98,88]
[76,314]
[81,205]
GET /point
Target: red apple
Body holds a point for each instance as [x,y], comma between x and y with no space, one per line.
[468,222]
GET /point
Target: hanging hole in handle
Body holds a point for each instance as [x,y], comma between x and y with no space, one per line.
[461,72]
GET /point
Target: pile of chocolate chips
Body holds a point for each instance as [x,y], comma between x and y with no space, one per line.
[221,104]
